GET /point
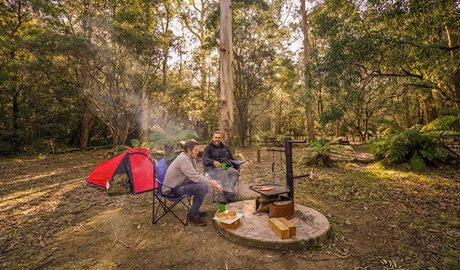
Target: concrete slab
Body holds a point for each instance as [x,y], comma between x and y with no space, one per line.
[253,231]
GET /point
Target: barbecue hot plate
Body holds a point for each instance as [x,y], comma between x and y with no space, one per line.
[270,189]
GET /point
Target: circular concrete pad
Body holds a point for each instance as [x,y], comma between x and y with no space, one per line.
[253,231]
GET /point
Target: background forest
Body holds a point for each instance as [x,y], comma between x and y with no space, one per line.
[85,73]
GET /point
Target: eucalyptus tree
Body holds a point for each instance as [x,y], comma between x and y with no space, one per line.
[309,101]
[193,16]
[226,107]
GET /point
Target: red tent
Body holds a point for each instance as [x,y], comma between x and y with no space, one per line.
[136,162]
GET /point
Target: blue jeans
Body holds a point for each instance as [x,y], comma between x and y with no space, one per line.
[198,191]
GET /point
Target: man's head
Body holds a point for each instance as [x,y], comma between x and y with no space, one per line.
[191,148]
[217,138]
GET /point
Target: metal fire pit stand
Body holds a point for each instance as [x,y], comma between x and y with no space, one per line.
[289,174]
[289,188]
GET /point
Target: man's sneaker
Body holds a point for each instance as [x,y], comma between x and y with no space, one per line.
[196,220]
[202,214]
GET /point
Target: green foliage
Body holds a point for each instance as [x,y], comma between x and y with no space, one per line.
[417,163]
[135,143]
[170,137]
[420,145]
[319,153]
[262,135]
[396,153]
[444,127]
[332,114]
[377,147]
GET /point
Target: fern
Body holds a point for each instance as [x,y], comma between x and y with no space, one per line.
[417,164]
[171,137]
[318,153]
[421,145]
[378,147]
[444,123]
[428,153]
[395,154]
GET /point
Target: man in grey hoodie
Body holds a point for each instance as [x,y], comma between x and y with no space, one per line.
[182,177]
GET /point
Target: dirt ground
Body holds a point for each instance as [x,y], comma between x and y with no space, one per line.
[380,218]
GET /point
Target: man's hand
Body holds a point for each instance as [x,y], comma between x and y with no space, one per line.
[216,185]
[216,164]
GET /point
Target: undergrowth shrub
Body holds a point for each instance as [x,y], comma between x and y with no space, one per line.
[420,146]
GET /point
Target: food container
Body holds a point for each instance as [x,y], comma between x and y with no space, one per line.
[229,223]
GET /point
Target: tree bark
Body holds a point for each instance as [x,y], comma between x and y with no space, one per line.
[86,115]
[226,114]
[452,40]
[306,61]
[85,127]
[144,116]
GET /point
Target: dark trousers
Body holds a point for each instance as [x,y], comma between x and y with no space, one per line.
[198,191]
[228,177]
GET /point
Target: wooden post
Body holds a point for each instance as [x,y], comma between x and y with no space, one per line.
[258,155]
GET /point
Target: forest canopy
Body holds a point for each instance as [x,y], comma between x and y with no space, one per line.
[83,73]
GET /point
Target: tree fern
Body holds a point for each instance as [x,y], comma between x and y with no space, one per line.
[445,123]
[377,147]
[169,138]
[418,145]
[417,163]
[395,154]
[318,153]
[428,153]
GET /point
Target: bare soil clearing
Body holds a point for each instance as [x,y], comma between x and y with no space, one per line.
[380,218]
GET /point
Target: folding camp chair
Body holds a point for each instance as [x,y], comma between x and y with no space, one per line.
[166,204]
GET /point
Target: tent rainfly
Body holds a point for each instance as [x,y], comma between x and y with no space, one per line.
[137,163]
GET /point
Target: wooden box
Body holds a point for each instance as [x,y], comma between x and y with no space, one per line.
[232,226]
[291,227]
[278,228]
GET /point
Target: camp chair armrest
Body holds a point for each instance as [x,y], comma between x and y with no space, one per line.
[236,163]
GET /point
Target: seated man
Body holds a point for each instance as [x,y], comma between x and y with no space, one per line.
[182,178]
[214,155]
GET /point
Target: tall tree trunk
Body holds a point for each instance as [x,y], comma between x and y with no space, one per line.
[272,119]
[86,115]
[431,112]
[143,125]
[226,114]
[306,61]
[407,111]
[85,126]
[452,40]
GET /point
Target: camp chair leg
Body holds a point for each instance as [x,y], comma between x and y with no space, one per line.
[165,206]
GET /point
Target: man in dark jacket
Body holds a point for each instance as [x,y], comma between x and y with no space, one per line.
[217,163]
